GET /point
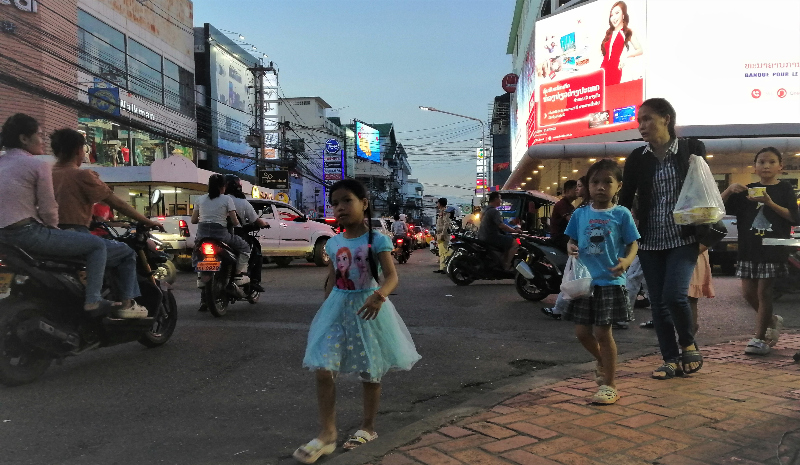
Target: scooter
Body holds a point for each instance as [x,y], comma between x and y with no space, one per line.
[43,318]
[540,270]
[472,259]
[402,248]
[215,263]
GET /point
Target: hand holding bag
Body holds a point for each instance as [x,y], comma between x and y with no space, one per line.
[699,201]
[577,282]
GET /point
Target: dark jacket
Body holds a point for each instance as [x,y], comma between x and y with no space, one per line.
[637,179]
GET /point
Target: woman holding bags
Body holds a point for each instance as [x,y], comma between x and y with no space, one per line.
[653,176]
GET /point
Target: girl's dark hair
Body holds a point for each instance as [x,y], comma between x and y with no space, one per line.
[15,126]
[625,30]
[606,164]
[358,189]
[663,109]
[65,142]
[215,184]
[771,150]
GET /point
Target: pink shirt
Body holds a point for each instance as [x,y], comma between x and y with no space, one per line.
[26,189]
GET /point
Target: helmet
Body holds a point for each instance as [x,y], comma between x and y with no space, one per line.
[233,186]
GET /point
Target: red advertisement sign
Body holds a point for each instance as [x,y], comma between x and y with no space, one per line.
[571,99]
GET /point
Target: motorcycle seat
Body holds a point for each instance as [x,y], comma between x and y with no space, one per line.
[48,261]
[484,244]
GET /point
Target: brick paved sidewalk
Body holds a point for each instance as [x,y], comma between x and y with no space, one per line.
[736,410]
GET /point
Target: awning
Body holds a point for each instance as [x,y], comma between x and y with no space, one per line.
[730,146]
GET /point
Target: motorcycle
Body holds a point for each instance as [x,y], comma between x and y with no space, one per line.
[473,259]
[215,265]
[43,318]
[402,249]
[540,269]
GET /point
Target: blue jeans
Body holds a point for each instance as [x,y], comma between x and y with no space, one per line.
[122,259]
[668,273]
[36,238]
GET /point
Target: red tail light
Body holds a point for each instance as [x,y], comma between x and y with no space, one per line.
[399,241]
[452,238]
[519,242]
[184,228]
[182,224]
[162,218]
[209,249]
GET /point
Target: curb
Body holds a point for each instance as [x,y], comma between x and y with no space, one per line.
[376,450]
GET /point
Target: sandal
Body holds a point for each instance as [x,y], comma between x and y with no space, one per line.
[359,438]
[668,370]
[691,356]
[311,452]
[774,332]
[606,395]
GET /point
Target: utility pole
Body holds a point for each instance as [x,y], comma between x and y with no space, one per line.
[257,137]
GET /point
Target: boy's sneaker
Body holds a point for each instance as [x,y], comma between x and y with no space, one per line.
[549,311]
[756,347]
[241,279]
[774,332]
[134,311]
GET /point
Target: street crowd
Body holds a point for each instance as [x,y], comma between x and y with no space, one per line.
[623,229]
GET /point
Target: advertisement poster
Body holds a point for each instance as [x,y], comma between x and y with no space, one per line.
[588,75]
[333,165]
[368,142]
[271,135]
[722,74]
[232,96]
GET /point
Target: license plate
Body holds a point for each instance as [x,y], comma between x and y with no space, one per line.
[5,282]
[209,266]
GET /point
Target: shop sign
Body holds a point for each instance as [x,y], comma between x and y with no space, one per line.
[282,197]
[332,146]
[332,165]
[105,100]
[275,179]
[136,110]
[24,5]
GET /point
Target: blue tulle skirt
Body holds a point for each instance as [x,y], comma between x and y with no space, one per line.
[342,342]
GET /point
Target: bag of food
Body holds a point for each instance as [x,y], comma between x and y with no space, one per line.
[699,201]
[577,282]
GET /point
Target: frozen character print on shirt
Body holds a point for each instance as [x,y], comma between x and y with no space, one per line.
[597,236]
[761,224]
[343,261]
[362,281]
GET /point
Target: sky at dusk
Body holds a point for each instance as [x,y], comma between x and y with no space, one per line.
[379,60]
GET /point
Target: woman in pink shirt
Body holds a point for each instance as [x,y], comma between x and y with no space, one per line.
[29,213]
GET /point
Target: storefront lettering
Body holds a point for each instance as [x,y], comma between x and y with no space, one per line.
[24,5]
[131,107]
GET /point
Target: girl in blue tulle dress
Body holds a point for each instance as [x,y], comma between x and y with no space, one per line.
[357,329]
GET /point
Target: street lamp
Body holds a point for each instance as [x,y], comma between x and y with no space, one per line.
[487,166]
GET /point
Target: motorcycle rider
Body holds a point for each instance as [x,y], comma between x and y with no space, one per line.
[493,230]
[29,213]
[400,229]
[211,214]
[562,211]
[247,216]
[76,192]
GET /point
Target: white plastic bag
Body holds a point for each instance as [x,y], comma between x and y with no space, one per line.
[699,201]
[577,282]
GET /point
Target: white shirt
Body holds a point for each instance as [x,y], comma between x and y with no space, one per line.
[215,210]
[399,228]
[245,211]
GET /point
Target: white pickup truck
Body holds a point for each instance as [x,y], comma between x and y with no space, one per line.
[290,235]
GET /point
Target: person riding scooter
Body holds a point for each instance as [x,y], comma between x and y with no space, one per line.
[76,192]
[493,230]
[248,219]
[400,229]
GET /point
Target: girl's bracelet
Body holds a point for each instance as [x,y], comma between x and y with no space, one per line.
[380,296]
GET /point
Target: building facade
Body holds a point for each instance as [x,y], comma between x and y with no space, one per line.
[578,94]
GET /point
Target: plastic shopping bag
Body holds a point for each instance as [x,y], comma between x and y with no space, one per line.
[577,282]
[699,201]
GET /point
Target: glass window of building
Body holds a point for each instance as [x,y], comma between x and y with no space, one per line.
[101,48]
[144,68]
[178,88]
